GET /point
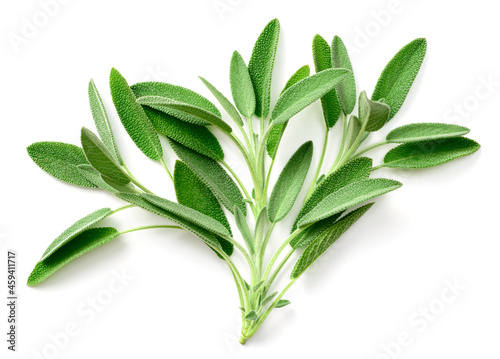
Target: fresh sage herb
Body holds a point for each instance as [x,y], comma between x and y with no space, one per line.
[323,198]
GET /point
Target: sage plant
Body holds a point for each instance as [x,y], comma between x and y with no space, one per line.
[209,191]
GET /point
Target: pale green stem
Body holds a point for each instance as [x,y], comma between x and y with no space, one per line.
[245,254]
[242,186]
[162,161]
[378,167]
[342,142]
[375,145]
[320,164]
[135,180]
[278,252]
[122,208]
[279,268]
[149,227]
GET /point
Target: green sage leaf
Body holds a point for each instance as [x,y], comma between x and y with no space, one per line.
[75,229]
[277,131]
[242,224]
[305,92]
[193,193]
[312,232]
[213,175]
[100,158]
[60,160]
[346,90]
[429,153]
[205,235]
[353,128]
[184,111]
[81,244]
[349,196]
[261,66]
[322,56]
[241,86]
[398,76]
[282,303]
[374,113]
[268,299]
[416,132]
[290,183]
[188,214]
[92,175]
[133,118]
[224,102]
[324,241]
[252,316]
[102,122]
[197,138]
[355,170]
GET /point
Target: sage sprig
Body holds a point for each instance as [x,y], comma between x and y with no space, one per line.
[212,202]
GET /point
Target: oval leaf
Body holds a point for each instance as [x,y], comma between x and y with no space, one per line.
[348,196]
[305,92]
[188,214]
[174,92]
[322,56]
[102,122]
[193,193]
[374,113]
[416,132]
[91,174]
[289,183]
[277,131]
[213,175]
[184,111]
[355,170]
[346,90]
[241,86]
[197,138]
[133,118]
[429,153]
[60,160]
[224,102]
[324,241]
[100,158]
[83,243]
[261,66]
[398,76]
[242,224]
[75,229]
[309,234]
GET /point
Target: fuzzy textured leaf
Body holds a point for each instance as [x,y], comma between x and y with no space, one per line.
[349,196]
[355,170]
[197,138]
[353,128]
[193,193]
[290,183]
[277,131]
[282,303]
[213,175]
[305,92]
[81,244]
[205,235]
[324,241]
[184,111]
[261,66]
[60,160]
[75,229]
[416,132]
[322,56]
[100,158]
[242,224]
[224,102]
[102,122]
[92,175]
[429,153]
[374,113]
[398,76]
[188,214]
[241,86]
[133,118]
[346,90]
[309,234]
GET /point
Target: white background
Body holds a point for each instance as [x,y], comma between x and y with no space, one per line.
[181,303]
